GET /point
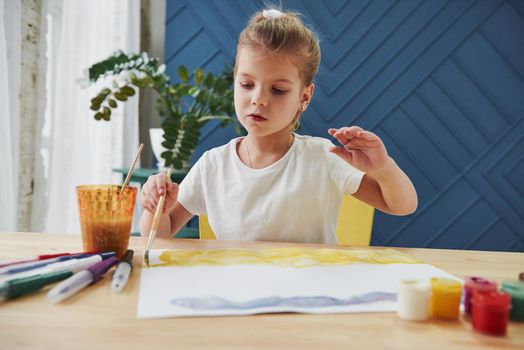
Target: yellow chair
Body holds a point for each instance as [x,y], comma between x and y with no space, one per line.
[354,224]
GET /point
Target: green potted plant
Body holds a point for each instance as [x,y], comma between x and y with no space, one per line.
[184,107]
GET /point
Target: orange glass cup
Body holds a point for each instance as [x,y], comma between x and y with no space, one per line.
[106,217]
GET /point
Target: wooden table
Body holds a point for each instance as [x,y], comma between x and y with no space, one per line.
[98,319]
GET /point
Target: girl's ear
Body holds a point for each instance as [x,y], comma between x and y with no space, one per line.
[307,94]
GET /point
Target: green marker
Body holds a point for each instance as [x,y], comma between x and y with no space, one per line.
[20,286]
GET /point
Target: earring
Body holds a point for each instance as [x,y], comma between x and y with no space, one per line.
[303,108]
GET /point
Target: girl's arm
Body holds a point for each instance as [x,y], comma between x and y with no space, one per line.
[391,191]
[170,223]
[384,186]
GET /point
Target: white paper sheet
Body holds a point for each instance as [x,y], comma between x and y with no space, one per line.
[203,290]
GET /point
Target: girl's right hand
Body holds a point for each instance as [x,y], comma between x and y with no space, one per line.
[155,187]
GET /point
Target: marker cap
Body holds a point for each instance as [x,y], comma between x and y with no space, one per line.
[128,257]
[100,268]
[107,255]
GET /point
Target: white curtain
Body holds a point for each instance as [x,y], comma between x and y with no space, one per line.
[10,50]
[72,147]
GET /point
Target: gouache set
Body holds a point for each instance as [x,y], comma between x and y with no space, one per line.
[218,282]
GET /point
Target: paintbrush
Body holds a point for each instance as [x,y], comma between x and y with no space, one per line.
[156,221]
[130,172]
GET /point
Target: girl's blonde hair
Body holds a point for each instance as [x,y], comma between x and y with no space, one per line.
[283,32]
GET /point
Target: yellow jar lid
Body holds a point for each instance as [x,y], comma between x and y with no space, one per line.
[446,284]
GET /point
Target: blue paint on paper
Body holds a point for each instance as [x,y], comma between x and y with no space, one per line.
[217,303]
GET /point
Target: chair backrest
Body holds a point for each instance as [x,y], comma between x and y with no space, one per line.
[354,224]
[206,232]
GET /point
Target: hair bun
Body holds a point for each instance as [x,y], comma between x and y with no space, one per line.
[272,14]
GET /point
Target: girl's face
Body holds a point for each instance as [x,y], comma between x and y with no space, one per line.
[268,92]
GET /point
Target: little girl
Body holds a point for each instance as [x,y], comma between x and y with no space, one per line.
[273,184]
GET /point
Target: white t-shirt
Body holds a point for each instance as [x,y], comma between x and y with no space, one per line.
[295,199]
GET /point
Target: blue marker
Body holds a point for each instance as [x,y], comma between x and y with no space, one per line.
[29,266]
[73,265]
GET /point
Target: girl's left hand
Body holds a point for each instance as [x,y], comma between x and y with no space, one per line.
[362,149]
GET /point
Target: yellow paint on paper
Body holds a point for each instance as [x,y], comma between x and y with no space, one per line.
[286,257]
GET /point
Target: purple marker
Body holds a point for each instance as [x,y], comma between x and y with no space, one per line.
[80,280]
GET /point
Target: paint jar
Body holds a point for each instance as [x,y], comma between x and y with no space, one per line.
[105,217]
[490,311]
[445,299]
[413,300]
[472,284]
[516,290]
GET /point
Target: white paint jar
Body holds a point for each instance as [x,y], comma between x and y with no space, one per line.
[413,300]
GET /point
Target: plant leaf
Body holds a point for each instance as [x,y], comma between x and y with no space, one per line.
[127,90]
[194,91]
[199,73]
[120,96]
[104,92]
[183,73]
[106,113]
[208,81]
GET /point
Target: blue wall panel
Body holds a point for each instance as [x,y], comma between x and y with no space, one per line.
[442,82]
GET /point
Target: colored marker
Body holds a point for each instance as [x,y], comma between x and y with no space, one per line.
[33,265]
[80,280]
[123,270]
[9,268]
[21,286]
[73,265]
[41,257]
